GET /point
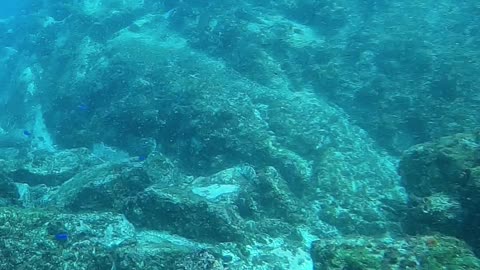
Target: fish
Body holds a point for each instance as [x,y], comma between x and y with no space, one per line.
[83,107]
[61,237]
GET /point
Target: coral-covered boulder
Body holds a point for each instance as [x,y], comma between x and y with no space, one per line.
[425,252]
[442,179]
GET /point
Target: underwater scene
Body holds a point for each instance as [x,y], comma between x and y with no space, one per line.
[239,135]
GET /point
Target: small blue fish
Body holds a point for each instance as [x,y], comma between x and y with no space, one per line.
[83,107]
[27,133]
[142,158]
[61,237]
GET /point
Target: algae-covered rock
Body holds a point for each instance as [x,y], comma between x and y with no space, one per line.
[42,240]
[202,209]
[177,211]
[271,192]
[442,181]
[433,252]
[283,86]
[8,191]
[444,165]
[47,168]
[103,187]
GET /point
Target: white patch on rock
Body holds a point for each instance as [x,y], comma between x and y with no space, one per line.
[215,191]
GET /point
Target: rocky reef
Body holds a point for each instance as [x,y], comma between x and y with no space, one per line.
[257,135]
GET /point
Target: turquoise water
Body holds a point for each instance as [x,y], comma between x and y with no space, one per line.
[294,134]
[10,8]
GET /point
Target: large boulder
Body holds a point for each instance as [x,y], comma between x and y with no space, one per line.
[442,179]
[364,253]
[103,187]
[177,211]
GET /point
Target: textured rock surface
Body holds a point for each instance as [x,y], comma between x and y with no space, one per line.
[8,191]
[254,127]
[173,210]
[104,187]
[41,167]
[404,89]
[442,180]
[95,241]
[425,252]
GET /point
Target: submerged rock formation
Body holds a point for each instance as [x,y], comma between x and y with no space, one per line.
[234,134]
[423,252]
[442,180]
